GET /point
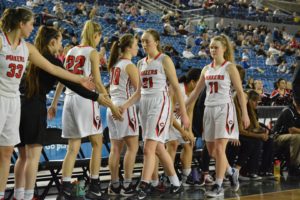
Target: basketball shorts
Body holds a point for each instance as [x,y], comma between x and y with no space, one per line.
[220,122]
[10,110]
[80,118]
[155,116]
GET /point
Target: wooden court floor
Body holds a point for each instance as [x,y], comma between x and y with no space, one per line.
[279,195]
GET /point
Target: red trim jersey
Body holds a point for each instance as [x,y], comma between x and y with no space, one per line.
[12,66]
[78,62]
[153,77]
[120,85]
[218,85]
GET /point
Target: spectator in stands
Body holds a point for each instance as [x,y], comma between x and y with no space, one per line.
[80,9]
[287,138]
[181,30]
[169,30]
[282,67]
[187,52]
[264,97]
[280,96]
[271,60]
[202,53]
[296,77]
[245,64]
[250,83]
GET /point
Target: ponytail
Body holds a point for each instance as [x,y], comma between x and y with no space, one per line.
[89,29]
[12,17]
[118,48]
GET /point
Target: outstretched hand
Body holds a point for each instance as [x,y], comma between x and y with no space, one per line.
[51,112]
[88,83]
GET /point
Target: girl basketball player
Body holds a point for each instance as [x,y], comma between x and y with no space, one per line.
[81,117]
[220,123]
[155,107]
[17,24]
[124,78]
[177,135]
[34,111]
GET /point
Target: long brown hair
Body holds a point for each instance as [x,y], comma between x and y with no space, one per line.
[44,36]
[12,17]
[228,54]
[119,47]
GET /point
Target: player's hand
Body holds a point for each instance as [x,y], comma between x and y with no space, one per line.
[185,121]
[51,112]
[104,100]
[264,136]
[246,121]
[235,143]
[87,82]
[116,114]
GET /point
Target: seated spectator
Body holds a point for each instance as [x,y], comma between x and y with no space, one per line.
[282,67]
[250,83]
[202,53]
[245,63]
[280,96]
[187,53]
[181,30]
[169,29]
[287,138]
[253,140]
[271,60]
[264,97]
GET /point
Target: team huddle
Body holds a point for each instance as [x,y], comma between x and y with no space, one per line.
[147,96]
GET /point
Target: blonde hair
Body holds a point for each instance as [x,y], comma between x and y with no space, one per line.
[89,29]
[228,54]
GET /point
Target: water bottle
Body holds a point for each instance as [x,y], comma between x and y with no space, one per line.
[277,169]
[81,188]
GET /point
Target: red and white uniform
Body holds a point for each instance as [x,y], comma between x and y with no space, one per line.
[12,66]
[174,134]
[155,103]
[220,119]
[120,90]
[81,117]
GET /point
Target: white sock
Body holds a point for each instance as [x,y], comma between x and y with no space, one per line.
[28,194]
[66,179]
[229,171]
[127,182]
[19,193]
[154,183]
[1,195]
[186,172]
[115,183]
[219,181]
[174,180]
[95,176]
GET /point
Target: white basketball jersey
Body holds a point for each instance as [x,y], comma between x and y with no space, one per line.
[78,62]
[12,66]
[153,77]
[218,85]
[120,85]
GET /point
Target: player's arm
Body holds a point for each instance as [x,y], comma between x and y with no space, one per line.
[53,107]
[38,60]
[197,90]
[237,84]
[94,56]
[169,69]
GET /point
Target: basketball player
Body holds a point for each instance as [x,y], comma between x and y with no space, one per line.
[155,107]
[16,24]
[220,122]
[124,78]
[33,122]
[177,135]
[81,117]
